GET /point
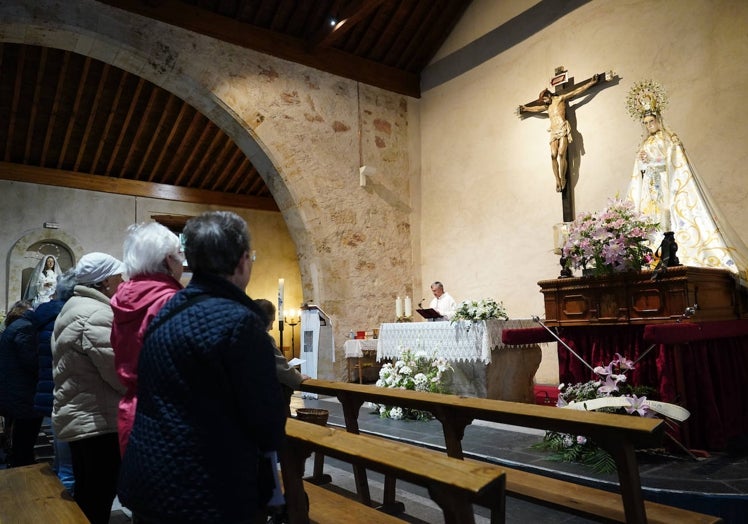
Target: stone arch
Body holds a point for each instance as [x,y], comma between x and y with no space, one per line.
[100,46]
[24,255]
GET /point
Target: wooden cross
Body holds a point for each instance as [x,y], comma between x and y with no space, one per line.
[554,104]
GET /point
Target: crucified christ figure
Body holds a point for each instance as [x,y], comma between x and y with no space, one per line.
[560,129]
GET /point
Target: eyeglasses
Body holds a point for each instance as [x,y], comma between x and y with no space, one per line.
[253,255]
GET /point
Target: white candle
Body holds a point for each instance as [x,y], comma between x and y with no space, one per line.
[408,307]
[280,299]
[399,307]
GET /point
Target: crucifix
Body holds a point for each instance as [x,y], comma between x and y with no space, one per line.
[554,103]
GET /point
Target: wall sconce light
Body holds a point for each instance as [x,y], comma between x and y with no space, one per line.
[365,171]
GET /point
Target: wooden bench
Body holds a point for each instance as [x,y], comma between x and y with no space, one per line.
[455,485]
[34,494]
[327,507]
[619,435]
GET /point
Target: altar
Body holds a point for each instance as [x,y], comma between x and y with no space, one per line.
[483,366]
[689,328]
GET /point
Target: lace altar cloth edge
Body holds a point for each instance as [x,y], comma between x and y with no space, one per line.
[455,341]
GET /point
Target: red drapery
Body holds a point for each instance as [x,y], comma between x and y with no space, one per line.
[705,375]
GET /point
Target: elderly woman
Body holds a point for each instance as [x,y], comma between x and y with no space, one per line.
[87,391]
[18,383]
[153,262]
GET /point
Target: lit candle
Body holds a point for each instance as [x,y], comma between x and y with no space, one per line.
[399,307]
[408,307]
[280,299]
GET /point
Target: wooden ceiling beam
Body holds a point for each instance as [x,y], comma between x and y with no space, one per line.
[120,186]
[275,44]
[346,20]
[35,104]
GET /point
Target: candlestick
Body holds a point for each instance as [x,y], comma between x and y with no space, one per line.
[399,307]
[280,298]
[408,307]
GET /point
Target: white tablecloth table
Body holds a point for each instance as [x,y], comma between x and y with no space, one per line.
[455,341]
[355,348]
[482,365]
[354,352]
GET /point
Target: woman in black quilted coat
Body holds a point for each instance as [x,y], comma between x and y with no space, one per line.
[18,373]
[209,402]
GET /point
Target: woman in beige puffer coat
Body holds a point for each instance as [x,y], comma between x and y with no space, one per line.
[87,390]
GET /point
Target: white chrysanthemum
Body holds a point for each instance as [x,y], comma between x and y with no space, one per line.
[406,370]
[396,413]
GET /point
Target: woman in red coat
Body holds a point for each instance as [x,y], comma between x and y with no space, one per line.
[154,263]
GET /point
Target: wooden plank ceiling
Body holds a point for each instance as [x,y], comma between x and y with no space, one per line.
[69,120]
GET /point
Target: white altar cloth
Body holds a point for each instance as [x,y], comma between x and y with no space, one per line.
[459,341]
[355,348]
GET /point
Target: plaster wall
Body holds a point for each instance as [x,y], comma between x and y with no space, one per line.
[488,199]
[92,221]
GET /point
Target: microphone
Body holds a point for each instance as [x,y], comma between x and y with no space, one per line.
[420,304]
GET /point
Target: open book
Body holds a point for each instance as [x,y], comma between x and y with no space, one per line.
[429,313]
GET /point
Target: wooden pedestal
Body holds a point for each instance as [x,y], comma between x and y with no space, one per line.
[635,298]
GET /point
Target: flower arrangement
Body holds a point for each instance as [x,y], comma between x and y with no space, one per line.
[613,240]
[611,393]
[475,310]
[414,371]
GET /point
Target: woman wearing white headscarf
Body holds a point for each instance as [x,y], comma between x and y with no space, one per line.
[87,391]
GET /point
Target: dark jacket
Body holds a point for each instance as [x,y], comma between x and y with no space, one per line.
[44,323]
[18,368]
[209,404]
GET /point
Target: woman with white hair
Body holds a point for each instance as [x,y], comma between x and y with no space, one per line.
[87,391]
[153,262]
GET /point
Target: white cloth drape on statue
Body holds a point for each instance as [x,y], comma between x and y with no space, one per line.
[664,185]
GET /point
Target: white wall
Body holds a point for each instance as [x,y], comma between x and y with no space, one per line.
[488,199]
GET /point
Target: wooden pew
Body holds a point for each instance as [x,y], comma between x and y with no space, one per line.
[455,485]
[620,435]
[34,494]
[327,507]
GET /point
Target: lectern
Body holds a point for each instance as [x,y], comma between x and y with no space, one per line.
[317,344]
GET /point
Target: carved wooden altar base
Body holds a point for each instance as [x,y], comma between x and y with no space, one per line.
[637,298]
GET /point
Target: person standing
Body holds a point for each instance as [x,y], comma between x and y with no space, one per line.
[44,322]
[289,377]
[209,403]
[18,374]
[87,391]
[442,302]
[153,263]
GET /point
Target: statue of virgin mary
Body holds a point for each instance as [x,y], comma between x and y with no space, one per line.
[664,185]
[43,281]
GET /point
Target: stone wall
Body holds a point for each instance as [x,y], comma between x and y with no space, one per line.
[299,126]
